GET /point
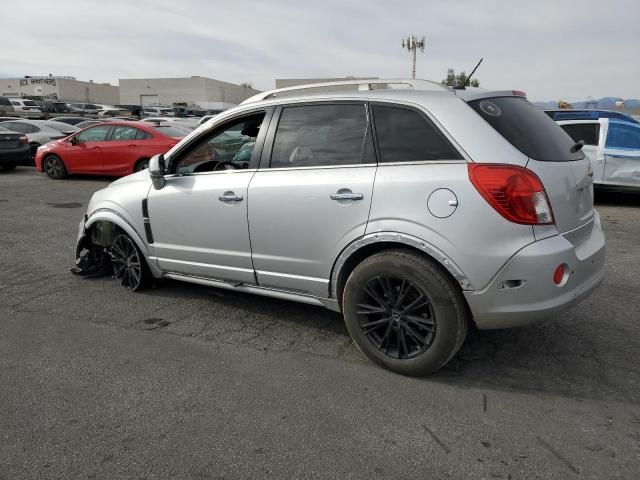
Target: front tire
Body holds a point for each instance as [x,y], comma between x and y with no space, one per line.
[405,312]
[129,265]
[54,167]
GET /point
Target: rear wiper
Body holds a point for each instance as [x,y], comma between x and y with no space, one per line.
[577,146]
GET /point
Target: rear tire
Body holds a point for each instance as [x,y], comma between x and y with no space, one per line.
[54,167]
[405,312]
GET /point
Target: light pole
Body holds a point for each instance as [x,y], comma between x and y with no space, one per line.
[413,44]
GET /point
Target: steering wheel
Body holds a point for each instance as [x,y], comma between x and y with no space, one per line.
[224,164]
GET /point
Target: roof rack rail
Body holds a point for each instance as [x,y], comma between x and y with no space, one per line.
[362,85]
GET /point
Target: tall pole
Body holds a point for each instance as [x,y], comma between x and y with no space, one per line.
[413,44]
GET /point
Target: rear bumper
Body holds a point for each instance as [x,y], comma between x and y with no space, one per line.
[19,156]
[538,298]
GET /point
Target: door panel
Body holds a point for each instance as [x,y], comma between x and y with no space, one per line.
[197,233]
[85,157]
[297,229]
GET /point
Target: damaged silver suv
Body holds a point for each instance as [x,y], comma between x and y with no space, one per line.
[414,211]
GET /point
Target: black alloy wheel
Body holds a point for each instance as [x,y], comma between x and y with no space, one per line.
[128,263]
[396,316]
[54,167]
[405,311]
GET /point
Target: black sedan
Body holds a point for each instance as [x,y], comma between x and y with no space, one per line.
[14,149]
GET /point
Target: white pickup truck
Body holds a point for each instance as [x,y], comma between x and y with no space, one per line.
[612,143]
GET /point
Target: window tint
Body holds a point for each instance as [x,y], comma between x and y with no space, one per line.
[94,134]
[61,127]
[623,135]
[123,133]
[232,142]
[527,128]
[171,131]
[319,135]
[588,132]
[142,135]
[30,103]
[21,127]
[406,136]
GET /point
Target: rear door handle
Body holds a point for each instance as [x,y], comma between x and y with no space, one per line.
[230,197]
[346,196]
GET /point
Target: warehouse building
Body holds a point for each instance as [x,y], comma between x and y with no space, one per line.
[206,93]
[59,88]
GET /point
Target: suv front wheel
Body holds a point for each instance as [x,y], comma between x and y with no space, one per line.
[405,312]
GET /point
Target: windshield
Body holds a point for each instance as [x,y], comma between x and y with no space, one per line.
[527,128]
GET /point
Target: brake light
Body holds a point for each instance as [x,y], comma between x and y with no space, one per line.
[519,93]
[514,192]
[23,140]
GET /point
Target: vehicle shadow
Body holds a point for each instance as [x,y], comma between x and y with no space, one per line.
[613,198]
[561,357]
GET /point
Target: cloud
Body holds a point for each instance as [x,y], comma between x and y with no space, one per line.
[550,49]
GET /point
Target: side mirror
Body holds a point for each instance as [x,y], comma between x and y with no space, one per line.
[74,140]
[157,170]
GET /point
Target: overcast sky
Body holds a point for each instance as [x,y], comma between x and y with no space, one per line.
[550,49]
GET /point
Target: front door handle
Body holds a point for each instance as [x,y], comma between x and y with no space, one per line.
[230,197]
[346,196]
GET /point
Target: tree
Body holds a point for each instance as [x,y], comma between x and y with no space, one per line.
[454,80]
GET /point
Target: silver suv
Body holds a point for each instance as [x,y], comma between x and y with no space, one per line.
[413,211]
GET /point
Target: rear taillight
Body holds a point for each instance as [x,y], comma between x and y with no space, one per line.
[23,140]
[514,192]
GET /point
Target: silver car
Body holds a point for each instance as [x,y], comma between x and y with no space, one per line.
[40,132]
[412,211]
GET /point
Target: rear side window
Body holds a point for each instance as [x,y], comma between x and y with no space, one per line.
[21,127]
[404,135]
[142,135]
[589,132]
[623,135]
[321,135]
[527,128]
[123,133]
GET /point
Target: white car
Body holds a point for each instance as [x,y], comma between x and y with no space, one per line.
[612,145]
[158,111]
[24,105]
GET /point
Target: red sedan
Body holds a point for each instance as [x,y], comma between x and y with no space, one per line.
[114,148]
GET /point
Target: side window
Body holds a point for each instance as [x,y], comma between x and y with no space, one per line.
[94,134]
[229,146]
[589,132]
[21,127]
[121,133]
[17,104]
[623,135]
[142,135]
[404,135]
[321,135]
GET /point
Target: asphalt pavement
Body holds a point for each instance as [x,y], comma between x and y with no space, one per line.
[184,381]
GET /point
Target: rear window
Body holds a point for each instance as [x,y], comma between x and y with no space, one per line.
[30,103]
[171,131]
[589,132]
[527,128]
